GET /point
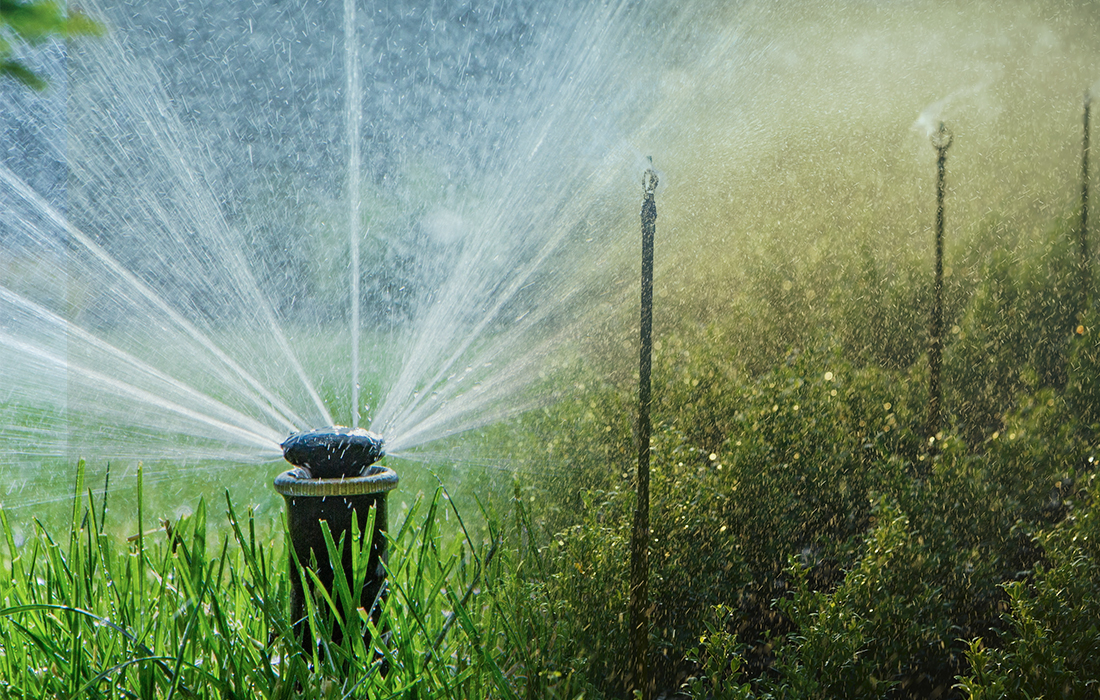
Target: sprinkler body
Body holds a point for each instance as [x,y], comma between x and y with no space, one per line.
[358,486]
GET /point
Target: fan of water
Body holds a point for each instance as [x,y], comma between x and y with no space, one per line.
[223,225]
[152,308]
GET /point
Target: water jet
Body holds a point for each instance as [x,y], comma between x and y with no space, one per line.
[335,485]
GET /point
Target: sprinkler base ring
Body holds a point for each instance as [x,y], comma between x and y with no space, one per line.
[297,482]
[311,503]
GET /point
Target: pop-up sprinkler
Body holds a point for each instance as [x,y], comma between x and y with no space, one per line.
[334,479]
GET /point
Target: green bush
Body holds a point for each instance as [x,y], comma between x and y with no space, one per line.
[928,575]
[804,540]
[1012,337]
[801,448]
[1083,385]
[1052,647]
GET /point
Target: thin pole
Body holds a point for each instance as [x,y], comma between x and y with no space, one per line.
[941,141]
[1085,267]
[638,681]
[351,67]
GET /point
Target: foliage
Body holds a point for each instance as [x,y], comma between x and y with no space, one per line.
[32,22]
[719,658]
[746,472]
[832,653]
[1082,389]
[563,614]
[804,542]
[177,614]
[929,575]
[1012,337]
[1052,647]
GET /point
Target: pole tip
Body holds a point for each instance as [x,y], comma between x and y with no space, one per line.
[941,138]
[649,179]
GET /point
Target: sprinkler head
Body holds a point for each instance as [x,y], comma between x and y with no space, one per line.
[334,453]
[649,179]
[942,138]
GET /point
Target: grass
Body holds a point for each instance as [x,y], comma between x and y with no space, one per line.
[41,489]
[174,613]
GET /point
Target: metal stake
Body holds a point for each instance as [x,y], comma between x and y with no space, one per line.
[1085,268]
[941,141]
[638,680]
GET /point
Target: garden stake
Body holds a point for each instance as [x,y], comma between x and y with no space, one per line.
[941,141]
[332,482]
[1085,270]
[638,673]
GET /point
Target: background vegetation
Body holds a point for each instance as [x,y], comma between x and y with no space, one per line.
[33,22]
[805,543]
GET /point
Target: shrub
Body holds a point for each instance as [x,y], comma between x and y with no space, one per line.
[1052,647]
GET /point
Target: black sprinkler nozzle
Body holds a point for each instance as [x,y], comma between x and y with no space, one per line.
[334,453]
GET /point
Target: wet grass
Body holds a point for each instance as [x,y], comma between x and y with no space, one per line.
[173,612]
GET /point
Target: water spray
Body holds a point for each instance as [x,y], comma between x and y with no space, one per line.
[1085,270]
[353,114]
[638,675]
[335,481]
[941,141]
